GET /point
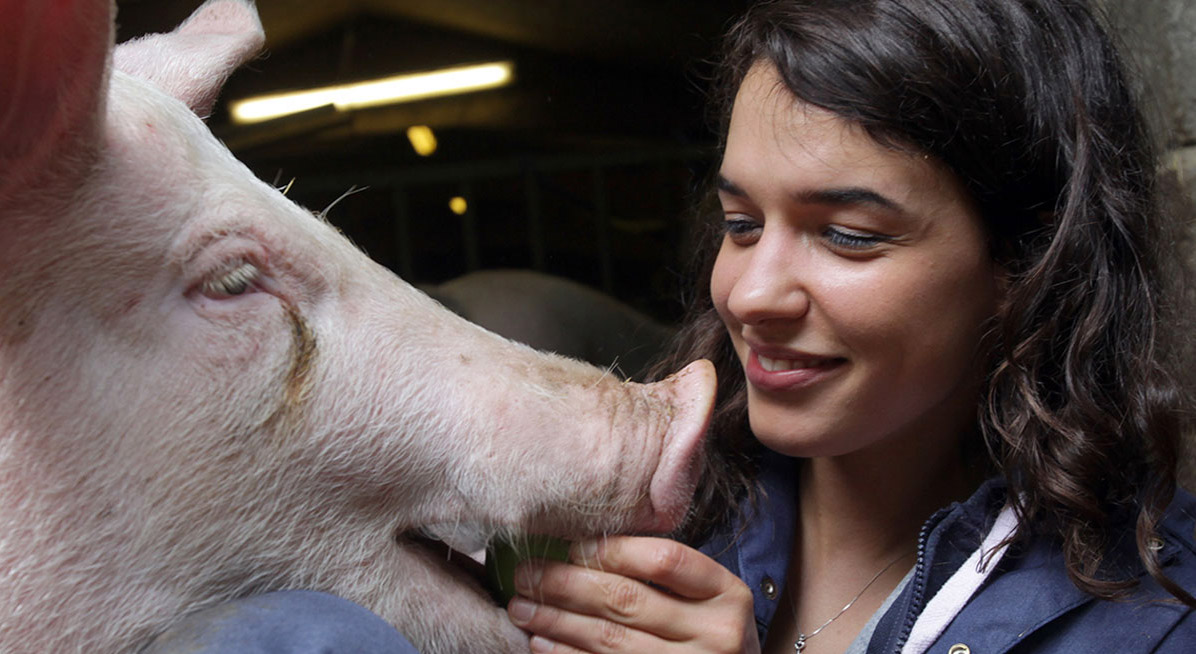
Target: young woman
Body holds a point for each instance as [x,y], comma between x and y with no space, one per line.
[938,299]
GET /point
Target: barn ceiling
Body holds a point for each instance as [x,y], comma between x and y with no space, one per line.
[591,74]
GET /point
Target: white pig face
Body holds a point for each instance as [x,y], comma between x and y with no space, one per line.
[207,392]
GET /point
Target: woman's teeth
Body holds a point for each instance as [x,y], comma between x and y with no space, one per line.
[777,365]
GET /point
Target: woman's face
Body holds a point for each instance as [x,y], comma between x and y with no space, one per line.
[854,280]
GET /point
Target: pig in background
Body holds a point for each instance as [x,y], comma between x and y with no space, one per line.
[557,315]
[208,393]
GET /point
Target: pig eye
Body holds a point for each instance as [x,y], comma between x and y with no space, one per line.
[234,282]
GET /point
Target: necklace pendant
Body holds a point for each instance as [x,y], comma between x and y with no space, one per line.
[800,643]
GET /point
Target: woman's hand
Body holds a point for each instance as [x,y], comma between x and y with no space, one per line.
[633,594]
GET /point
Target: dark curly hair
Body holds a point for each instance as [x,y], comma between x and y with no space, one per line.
[1028,103]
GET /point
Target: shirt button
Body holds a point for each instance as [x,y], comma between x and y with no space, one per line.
[769,588]
[959,648]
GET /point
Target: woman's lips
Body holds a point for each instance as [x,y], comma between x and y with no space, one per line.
[782,372]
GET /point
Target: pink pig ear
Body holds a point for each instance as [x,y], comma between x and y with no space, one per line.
[193,62]
[53,83]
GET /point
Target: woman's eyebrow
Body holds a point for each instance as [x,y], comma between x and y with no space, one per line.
[846,196]
[727,186]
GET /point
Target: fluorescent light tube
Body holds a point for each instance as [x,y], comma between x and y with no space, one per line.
[389,90]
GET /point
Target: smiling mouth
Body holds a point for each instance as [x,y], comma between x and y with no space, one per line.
[782,365]
[790,374]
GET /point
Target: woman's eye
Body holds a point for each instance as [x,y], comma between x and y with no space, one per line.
[853,240]
[233,282]
[740,229]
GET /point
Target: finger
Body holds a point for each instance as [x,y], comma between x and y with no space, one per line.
[542,645]
[563,632]
[681,569]
[608,596]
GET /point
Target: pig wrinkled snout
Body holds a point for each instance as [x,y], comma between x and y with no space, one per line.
[691,394]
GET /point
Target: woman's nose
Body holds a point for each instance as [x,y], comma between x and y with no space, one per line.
[771,284]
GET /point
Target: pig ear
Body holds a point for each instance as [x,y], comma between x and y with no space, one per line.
[53,82]
[193,62]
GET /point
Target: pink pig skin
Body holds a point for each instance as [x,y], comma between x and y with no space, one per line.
[206,392]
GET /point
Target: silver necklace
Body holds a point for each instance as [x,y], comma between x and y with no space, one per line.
[800,644]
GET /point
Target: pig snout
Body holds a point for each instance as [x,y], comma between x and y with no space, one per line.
[691,394]
[566,449]
[634,462]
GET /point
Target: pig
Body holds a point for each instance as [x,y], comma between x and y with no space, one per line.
[559,315]
[207,393]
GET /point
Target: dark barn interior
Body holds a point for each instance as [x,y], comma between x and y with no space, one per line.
[586,167]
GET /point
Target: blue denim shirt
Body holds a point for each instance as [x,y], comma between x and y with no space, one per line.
[757,550]
[1028,603]
[285,622]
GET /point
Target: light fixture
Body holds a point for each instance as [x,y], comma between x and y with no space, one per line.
[389,90]
[458,205]
[423,141]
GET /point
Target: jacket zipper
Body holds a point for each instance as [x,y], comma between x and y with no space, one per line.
[918,599]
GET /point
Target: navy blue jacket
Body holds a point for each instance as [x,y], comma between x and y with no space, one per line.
[1027,604]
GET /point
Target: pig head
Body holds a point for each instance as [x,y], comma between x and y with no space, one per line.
[206,392]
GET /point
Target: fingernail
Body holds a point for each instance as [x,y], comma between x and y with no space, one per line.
[521,610]
[540,644]
[585,550]
[527,576]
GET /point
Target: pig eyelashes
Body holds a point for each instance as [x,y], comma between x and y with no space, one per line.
[233,282]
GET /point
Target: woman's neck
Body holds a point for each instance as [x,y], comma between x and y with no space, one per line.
[858,521]
[871,503]
[872,507]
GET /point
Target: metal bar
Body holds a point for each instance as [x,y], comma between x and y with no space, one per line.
[535,226]
[472,171]
[602,231]
[469,230]
[402,222]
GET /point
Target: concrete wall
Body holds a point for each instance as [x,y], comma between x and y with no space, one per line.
[1160,38]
